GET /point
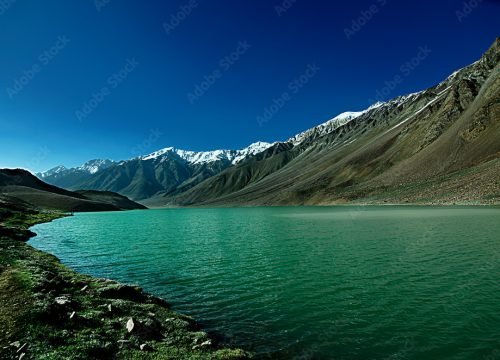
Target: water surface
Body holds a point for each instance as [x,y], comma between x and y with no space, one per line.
[333,283]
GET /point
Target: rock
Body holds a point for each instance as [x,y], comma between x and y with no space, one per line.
[120,291]
[62,300]
[148,329]
[130,325]
[206,343]
[22,347]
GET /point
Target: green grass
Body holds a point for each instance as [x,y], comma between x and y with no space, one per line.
[38,296]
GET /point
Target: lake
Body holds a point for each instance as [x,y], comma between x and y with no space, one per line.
[308,282]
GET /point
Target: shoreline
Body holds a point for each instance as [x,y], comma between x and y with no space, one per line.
[48,309]
[344,204]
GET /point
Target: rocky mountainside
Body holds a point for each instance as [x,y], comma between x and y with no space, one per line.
[440,145]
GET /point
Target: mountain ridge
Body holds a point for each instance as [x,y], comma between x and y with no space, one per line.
[20,187]
[345,158]
[379,150]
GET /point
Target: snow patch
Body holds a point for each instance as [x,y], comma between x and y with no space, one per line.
[206,157]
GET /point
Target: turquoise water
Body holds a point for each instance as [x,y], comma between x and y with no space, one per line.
[309,283]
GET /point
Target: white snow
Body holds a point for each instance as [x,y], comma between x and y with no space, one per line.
[455,73]
[333,124]
[93,166]
[327,127]
[206,157]
[251,150]
[445,90]
[54,171]
[430,103]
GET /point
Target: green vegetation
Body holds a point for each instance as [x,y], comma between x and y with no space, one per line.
[48,311]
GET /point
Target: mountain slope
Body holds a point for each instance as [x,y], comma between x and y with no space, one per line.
[167,171]
[443,136]
[21,187]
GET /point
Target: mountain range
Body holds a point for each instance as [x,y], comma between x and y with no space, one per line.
[439,145]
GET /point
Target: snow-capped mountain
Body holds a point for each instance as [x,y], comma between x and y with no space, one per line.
[329,126]
[94,166]
[52,172]
[405,139]
[90,167]
[206,157]
[166,170]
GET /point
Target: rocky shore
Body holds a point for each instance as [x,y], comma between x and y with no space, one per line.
[49,311]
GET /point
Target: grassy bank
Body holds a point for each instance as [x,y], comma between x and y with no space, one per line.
[48,311]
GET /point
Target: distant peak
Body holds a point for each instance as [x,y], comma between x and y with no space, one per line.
[93,166]
[54,171]
[205,157]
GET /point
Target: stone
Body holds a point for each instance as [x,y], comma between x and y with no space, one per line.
[130,325]
[62,300]
[206,343]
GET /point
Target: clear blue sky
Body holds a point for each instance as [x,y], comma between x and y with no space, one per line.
[137,66]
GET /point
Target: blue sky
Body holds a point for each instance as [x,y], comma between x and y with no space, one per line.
[112,79]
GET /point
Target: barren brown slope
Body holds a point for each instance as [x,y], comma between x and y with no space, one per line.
[21,187]
[442,131]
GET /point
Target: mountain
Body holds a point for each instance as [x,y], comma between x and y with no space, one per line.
[21,187]
[68,178]
[439,145]
[167,171]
